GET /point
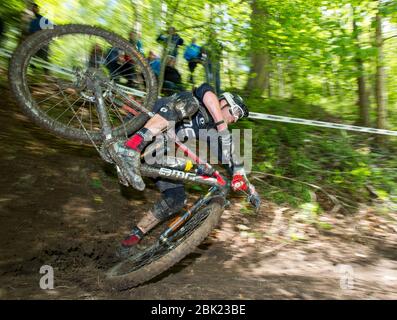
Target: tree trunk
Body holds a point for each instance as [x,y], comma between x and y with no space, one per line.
[268,83]
[380,77]
[363,101]
[166,49]
[260,58]
[259,79]
[281,82]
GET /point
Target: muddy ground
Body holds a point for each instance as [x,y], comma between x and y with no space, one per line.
[61,206]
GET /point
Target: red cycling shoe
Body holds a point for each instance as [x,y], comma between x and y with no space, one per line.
[133,238]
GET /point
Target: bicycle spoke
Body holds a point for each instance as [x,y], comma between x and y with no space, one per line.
[54,95]
[70,105]
[117,112]
[76,113]
[47,111]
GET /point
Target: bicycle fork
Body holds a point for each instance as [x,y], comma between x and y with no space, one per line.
[103,116]
[182,218]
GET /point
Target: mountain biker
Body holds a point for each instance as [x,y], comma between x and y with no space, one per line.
[206,111]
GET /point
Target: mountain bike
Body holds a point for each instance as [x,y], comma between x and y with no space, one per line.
[85,93]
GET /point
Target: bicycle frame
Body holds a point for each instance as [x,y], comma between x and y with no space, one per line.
[210,176]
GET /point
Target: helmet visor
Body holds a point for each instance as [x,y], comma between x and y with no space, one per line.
[236,112]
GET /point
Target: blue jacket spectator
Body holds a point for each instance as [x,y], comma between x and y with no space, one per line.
[154,62]
[193,51]
[193,54]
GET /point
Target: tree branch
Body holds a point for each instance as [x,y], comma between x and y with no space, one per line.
[395,36]
[333,198]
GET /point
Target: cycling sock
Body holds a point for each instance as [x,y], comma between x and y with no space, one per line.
[140,140]
[133,238]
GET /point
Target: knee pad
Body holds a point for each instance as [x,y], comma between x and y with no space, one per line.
[181,106]
[172,201]
[168,113]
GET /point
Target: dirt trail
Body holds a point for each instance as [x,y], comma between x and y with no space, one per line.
[61,206]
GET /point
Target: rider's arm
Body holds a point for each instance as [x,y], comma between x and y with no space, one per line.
[212,104]
[227,155]
[206,94]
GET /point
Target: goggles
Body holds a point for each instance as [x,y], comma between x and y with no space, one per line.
[235,109]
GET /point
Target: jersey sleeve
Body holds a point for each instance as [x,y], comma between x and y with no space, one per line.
[202,90]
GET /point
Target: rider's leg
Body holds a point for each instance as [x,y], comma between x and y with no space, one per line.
[144,136]
[172,200]
[127,154]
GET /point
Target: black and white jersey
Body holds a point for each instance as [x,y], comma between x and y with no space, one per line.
[201,126]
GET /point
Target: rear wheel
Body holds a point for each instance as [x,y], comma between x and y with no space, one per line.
[51,75]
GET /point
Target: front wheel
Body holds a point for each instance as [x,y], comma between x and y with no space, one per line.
[143,266]
[52,74]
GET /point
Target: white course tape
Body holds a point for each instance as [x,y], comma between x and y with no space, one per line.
[270,117]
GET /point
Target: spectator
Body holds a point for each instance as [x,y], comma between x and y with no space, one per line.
[193,56]
[154,62]
[96,57]
[174,42]
[111,60]
[36,24]
[172,77]
[120,66]
[136,42]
